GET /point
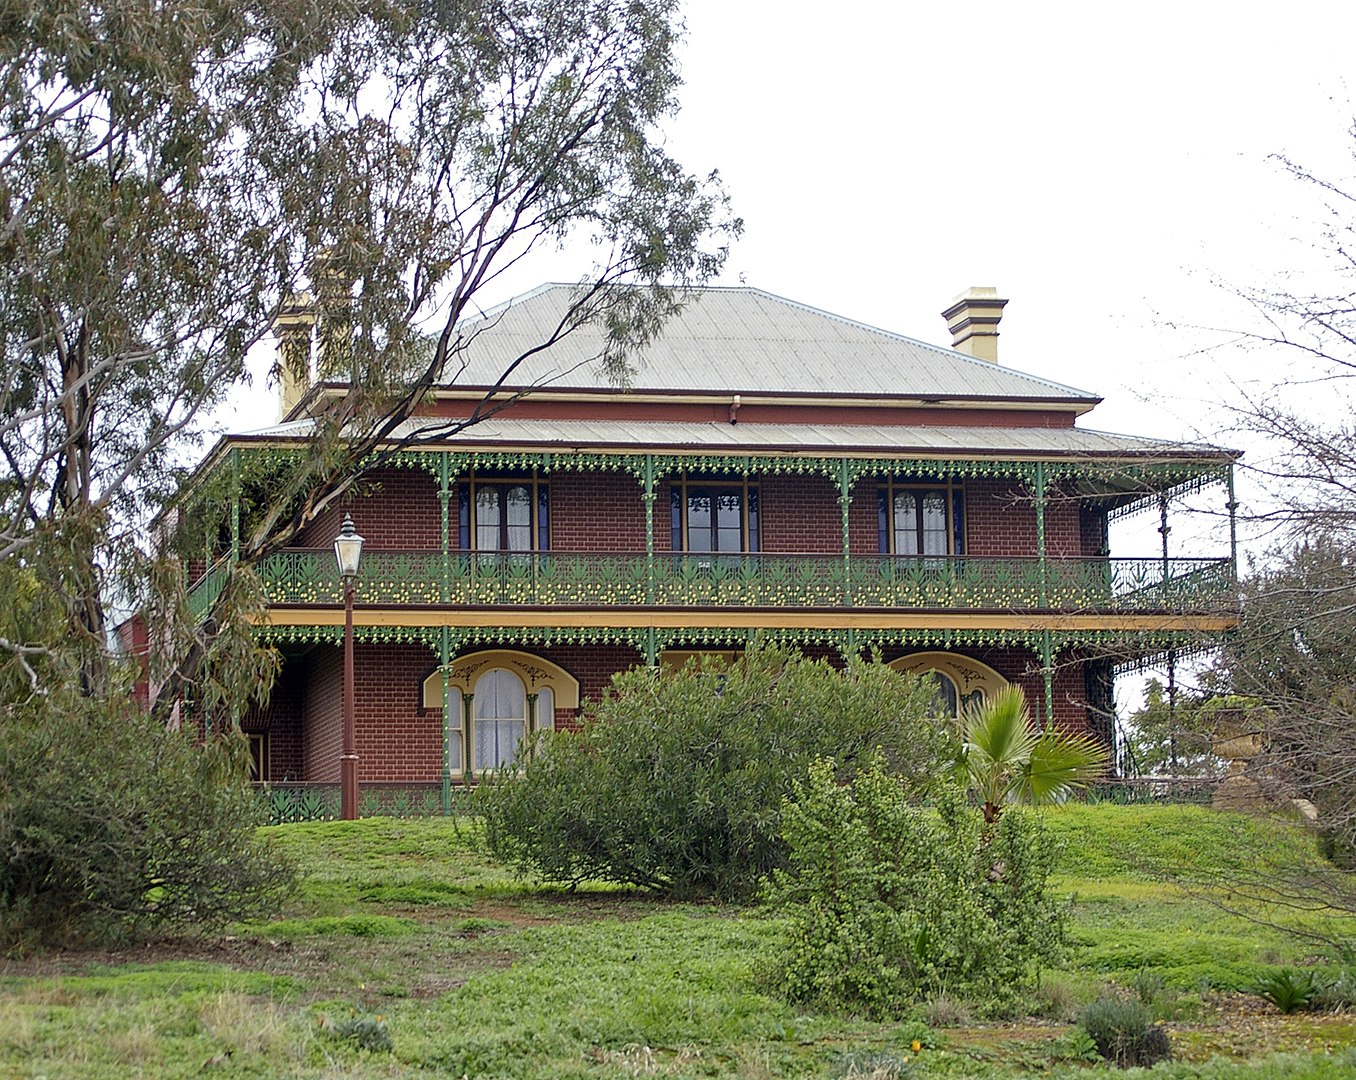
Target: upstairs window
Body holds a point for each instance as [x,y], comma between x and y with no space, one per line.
[921,519]
[504,514]
[712,516]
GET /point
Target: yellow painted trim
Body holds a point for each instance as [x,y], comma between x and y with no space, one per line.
[536,672]
[742,618]
[967,674]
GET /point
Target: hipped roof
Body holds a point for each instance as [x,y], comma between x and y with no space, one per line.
[738,340]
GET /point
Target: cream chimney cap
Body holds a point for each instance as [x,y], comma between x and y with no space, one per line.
[972,317]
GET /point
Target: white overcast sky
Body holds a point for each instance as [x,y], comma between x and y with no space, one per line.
[1103,165]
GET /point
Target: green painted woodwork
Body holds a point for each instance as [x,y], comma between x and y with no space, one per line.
[1048,677]
[449,722]
[1038,485]
[445,520]
[953,583]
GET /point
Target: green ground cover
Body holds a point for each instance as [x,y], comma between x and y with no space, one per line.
[405,936]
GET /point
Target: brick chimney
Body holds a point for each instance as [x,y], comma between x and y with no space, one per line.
[292,328]
[972,319]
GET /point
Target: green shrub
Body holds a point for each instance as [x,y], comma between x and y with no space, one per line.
[1289,990]
[1337,848]
[1146,984]
[887,902]
[109,822]
[365,1032]
[676,781]
[1336,989]
[1123,1031]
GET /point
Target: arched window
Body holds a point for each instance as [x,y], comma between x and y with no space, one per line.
[959,681]
[500,710]
[495,699]
[945,698]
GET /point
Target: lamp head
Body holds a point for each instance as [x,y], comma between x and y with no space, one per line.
[348,548]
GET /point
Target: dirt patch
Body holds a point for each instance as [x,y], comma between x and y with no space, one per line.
[1237,1026]
[246,953]
[434,984]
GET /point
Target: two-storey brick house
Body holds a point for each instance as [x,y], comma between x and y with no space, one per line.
[772,470]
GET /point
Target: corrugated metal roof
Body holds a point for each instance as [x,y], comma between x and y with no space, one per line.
[737,340]
[921,440]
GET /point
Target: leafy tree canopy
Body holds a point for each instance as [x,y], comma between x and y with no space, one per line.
[171,175]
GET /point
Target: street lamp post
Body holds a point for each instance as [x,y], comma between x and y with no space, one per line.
[348,549]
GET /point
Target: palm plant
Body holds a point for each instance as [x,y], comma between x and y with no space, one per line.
[1004,758]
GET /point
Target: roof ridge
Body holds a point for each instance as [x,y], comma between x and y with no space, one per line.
[484,318]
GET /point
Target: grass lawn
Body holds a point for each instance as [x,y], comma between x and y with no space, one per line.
[407,953]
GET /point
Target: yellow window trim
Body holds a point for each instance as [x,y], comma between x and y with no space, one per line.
[968,674]
[464,671]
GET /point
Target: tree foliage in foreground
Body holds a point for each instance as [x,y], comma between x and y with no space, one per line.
[888,902]
[676,780]
[115,824]
[1172,737]
[171,174]
[1295,652]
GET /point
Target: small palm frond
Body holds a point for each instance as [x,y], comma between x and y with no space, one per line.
[1060,764]
[999,740]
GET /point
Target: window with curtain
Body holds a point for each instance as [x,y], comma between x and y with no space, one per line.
[504,515]
[499,708]
[709,517]
[921,520]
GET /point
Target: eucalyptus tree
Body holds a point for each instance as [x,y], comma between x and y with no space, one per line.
[171,174]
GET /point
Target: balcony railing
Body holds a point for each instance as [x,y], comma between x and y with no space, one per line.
[310,577]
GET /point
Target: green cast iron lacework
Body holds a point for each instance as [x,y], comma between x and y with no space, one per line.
[249,470]
[1183,482]
[290,802]
[548,635]
[413,579]
[1179,477]
[207,588]
[305,635]
[846,642]
[1165,649]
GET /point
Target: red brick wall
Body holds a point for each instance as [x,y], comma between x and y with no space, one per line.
[800,514]
[281,718]
[396,739]
[1092,522]
[322,716]
[1063,523]
[399,741]
[1000,519]
[863,522]
[592,665]
[1023,667]
[395,509]
[602,512]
